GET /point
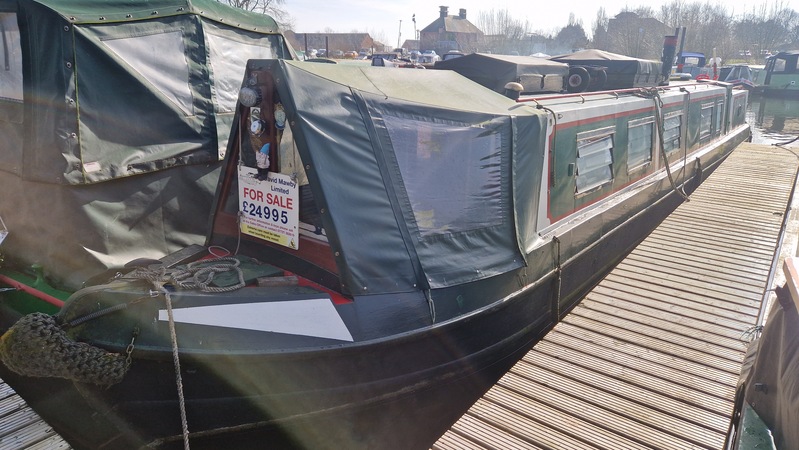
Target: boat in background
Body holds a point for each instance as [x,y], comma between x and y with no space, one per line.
[112,149]
[780,78]
[596,70]
[742,75]
[535,75]
[379,257]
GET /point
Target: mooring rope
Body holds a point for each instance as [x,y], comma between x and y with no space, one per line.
[184,423]
[196,275]
[654,94]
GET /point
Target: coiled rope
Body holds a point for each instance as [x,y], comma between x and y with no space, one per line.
[197,275]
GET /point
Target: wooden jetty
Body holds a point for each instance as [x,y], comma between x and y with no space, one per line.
[651,356]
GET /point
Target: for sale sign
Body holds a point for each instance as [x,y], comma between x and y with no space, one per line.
[269,208]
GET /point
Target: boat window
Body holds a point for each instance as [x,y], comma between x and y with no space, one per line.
[161,59]
[779,65]
[229,51]
[706,120]
[719,118]
[672,131]
[10,69]
[639,143]
[451,174]
[594,159]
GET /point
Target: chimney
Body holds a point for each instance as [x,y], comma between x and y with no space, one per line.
[444,10]
[462,13]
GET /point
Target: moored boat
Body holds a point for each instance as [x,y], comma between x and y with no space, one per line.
[384,245]
[780,77]
[114,118]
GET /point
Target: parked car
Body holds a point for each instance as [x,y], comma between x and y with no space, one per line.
[352,54]
[452,54]
[429,57]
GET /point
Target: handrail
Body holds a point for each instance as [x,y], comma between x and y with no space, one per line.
[32,291]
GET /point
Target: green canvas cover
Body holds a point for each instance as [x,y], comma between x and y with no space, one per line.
[114,117]
[427,178]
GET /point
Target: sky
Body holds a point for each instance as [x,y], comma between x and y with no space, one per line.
[381,18]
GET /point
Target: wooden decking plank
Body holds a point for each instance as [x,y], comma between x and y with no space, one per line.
[54,442]
[705,223]
[732,299]
[664,330]
[32,433]
[672,234]
[10,405]
[645,350]
[573,406]
[711,326]
[17,420]
[651,278]
[525,428]
[739,260]
[697,406]
[637,401]
[591,435]
[654,366]
[721,273]
[488,435]
[716,309]
[696,277]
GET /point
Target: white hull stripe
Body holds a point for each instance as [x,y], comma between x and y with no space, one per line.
[312,317]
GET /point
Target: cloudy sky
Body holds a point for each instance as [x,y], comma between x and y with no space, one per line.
[381,18]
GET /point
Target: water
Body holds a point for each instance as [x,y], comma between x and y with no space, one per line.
[773,120]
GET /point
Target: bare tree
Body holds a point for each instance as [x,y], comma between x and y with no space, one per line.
[767,28]
[635,32]
[709,27]
[273,8]
[504,33]
[600,30]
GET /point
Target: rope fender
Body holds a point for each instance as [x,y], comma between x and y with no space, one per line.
[37,346]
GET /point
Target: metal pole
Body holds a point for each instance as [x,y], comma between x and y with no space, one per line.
[399,36]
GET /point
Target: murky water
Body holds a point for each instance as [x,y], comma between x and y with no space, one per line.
[773,120]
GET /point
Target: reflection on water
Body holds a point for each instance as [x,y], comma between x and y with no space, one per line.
[773,120]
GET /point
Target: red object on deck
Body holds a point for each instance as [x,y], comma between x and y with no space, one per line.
[32,291]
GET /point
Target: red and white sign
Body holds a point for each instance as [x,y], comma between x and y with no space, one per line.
[269,208]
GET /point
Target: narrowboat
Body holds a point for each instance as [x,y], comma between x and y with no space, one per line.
[114,119]
[780,78]
[385,244]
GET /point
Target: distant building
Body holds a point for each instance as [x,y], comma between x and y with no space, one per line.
[332,42]
[450,33]
[632,35]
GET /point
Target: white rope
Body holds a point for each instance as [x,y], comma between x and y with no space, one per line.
[196,275]
[178,379]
